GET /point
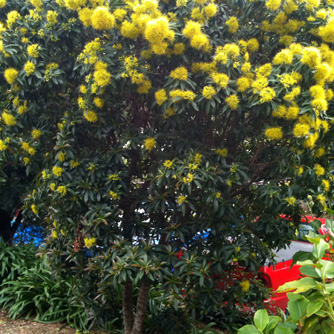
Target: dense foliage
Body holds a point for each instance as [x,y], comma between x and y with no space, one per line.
[310,304]
[149,127]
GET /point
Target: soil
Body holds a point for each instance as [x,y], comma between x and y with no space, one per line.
[23,326]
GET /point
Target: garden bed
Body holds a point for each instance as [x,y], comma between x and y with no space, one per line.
[23,326]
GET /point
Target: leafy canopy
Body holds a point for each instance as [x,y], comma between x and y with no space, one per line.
[154,126]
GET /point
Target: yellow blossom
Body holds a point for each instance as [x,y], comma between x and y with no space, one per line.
[8,119]
[74,164]
[222,152]
[52,17]
[283,57]
[325,184]
[179,73]
[181,199]
[290,200]
[208,92]
[176,94]
[102,19]
[311,56]
[57,171]
[33,50]
[220,79]
[11,75]
[161,96]
[189,178]
[274,133]
[301,130]
[245,285]
[233,24]
[252,45]
[29,68]
[150,144]
[3,146]
[168,163]
[90,116]
[319,170]
[232,101]
[34,209]
[62,190]
[113,195]
[89,242]
[102,77]
[243,84]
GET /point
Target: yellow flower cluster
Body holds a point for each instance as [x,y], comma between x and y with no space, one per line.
[208,92]
[89,242]
[319,170]
[233,24]
[90,116]
[101,76]
[29,68]
[150,144]
[131,67]
[102,19]
[3,146]
[274,133]
[222,152]
[33,50]
[11,75]
[243,84]
[62,190]
[232,101]
[52,17]
[57,171]
[178,94]
[245,285]
[179,73]
[180,200]
[168,163]
[113,195]
[12,17]
[26,147]
[34,209]
[8,119]
[198,40]
[161,96]
[291,200]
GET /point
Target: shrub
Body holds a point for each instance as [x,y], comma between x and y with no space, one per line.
[152,126]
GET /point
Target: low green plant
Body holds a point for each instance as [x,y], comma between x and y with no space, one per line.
[311,303]
[38,292]
[14,260]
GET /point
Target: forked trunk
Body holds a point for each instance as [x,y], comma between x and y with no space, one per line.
[135,325]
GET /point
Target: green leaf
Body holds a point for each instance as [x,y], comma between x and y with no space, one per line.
[283,330]
[309,270]
[261,319]
[248,329]
[301,256]
[301,285]
[297,308]
[327,270]
[320,248]
[313,307]
[273,321]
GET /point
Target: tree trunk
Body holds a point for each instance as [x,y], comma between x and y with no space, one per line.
[141,307]
[127,307]
[135,325]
